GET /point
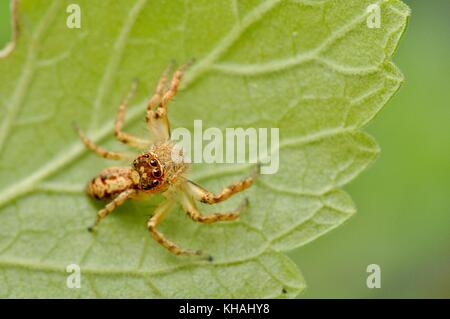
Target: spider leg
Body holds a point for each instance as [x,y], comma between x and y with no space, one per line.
[203,195]
[156,98]
[157,120]
[122,136]
[175,83]
[97,149]
[160,212]
[119,200]
[192,211]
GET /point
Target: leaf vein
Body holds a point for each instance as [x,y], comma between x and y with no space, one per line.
[114,60]
[25,79]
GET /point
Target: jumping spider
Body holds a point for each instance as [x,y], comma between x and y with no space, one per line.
[154,170]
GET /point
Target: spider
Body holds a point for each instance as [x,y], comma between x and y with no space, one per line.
[154,170]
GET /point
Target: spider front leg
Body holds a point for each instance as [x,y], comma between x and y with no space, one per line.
[160,212]
[175,83]
[157,120]
[123,137]
[205,196]
[119,200]
[192,211]
[97,149]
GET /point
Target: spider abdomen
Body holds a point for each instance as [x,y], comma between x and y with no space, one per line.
[110,182]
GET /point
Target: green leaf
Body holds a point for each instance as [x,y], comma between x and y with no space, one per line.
[312,68]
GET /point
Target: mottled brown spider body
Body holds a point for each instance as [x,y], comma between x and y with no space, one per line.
[159,169]
[110,182]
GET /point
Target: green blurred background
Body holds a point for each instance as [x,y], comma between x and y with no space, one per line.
[403,200]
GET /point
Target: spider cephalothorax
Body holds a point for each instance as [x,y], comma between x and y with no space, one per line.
[156,170]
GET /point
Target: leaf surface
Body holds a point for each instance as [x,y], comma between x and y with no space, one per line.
[311,68]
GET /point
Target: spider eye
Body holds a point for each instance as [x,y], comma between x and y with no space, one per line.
[151,185]
[153,162]
[156,173]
